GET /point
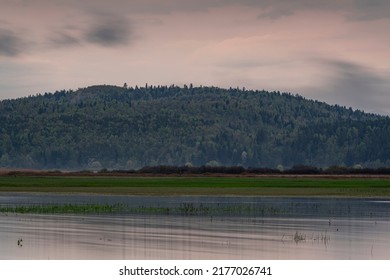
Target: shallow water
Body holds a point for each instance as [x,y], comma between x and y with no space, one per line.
[305,229]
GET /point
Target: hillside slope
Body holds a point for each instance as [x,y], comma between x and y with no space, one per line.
[127,128]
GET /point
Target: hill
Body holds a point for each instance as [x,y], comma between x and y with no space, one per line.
[128,128]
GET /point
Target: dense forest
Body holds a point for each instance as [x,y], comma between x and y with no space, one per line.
[128,128]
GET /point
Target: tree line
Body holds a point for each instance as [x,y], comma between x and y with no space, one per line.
[124,128]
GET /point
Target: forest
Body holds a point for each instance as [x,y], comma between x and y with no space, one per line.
[129,128]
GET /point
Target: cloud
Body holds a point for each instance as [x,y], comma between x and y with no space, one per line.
[354,85]
[95,28]
[352,9]
[370,10]
[64,39]
[62,24]
[10,43]
[111,32]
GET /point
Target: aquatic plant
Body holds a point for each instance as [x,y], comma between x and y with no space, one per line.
[187,209]
[318,238]
[298,237]
[63,209]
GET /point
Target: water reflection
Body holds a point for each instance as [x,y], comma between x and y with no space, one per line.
[332,232]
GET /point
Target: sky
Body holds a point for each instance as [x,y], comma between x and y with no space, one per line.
[336,51]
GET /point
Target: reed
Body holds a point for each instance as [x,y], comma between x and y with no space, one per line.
[186,209]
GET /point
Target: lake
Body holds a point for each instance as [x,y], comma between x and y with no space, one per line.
[272,228]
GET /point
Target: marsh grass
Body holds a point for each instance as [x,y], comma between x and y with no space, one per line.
[64,209]
[299,237]
[166,186]
[186,209]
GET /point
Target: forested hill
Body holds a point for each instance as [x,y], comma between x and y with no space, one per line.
[128,128]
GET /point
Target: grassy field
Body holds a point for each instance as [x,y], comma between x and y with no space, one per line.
[165,186]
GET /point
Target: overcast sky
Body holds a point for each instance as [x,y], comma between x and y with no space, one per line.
[337,51]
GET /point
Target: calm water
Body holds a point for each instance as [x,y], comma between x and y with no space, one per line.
[296,228]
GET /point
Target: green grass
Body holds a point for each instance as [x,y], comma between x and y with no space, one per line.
[343,187]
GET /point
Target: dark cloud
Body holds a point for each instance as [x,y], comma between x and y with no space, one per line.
[278,9]
[370,10]
[109,32]
[10,43]
[150,6]
[354,10]
[63,39]
[95,28]
[355,86]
